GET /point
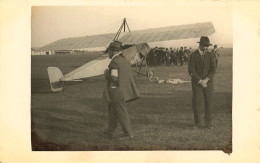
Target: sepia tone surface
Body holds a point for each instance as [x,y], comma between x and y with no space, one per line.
[162,118]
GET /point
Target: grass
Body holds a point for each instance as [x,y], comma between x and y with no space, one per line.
[162,119]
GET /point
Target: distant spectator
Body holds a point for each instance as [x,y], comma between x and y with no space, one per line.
[216,53]
[171,56]
[185,57]
[167,57]
[175,53]
[181,56]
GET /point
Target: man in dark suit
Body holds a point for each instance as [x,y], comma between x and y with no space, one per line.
[202,68]
[167,57]
[181,55]
[120,88]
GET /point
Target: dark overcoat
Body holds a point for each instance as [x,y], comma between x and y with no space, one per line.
[126,88]
[200,69]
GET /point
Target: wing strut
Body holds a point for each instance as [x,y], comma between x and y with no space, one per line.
[120,29]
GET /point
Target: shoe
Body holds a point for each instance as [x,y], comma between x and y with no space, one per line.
[127,137]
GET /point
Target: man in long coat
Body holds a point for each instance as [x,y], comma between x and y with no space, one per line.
[120,88]
[202,68]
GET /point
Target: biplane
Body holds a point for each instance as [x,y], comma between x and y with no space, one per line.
[135,53]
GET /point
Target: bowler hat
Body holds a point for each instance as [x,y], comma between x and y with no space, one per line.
[204,41]
[115,46]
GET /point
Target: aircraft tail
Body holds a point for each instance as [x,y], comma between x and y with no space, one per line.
[55,75]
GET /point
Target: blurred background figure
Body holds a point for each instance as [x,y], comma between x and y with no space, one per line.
[216,53]
[181,56]
[167,57]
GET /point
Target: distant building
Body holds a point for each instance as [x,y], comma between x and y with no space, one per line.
[34,51]
[63,52]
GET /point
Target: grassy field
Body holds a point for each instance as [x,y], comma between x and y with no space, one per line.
[162,118]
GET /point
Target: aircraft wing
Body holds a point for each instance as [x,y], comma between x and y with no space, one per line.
[85,42]
[133,37]
[168,33]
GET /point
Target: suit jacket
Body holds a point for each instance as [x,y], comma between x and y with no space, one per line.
[126,88]
[181,53]
[199,69]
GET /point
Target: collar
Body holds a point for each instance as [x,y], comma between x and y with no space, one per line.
[115,56]
[201,52]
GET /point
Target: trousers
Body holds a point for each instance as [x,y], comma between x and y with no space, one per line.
[117,112]
[202,97]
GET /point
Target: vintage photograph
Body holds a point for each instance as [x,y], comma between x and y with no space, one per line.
[131,78]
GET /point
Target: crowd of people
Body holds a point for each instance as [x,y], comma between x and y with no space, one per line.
[172,56]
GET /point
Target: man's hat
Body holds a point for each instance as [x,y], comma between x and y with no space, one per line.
[204,41]
[115,46]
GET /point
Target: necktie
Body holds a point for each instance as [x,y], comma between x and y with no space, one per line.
[202,57]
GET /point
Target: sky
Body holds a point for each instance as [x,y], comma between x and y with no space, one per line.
[49,24]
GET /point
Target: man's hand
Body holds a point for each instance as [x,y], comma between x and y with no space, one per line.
[107,75]
[203,83]
[205,80]
[106,71]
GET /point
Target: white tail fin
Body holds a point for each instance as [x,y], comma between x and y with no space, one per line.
[55,75]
